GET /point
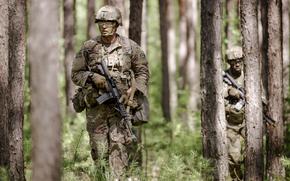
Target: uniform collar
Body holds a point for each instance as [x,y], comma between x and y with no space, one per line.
[113,46]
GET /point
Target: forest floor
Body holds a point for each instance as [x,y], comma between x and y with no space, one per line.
[169,151]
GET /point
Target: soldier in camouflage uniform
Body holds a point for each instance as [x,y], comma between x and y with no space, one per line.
[234,117]
[124,59]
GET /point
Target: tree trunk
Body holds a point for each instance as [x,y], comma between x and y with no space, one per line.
[144,27]
[16,87]
[91,28]
[275,137]
[264,42]
[182,42]
[164,57]
[188,67]
[213,112]
[232,23]
[69,53]
[286,58]
[192,67]
[135,30]
[135,17]
[183,51]
[169,87]
[4,74]
[253,108]
[45,110]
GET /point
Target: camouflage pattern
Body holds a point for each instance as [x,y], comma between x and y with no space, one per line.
[234,53]
[109,13]
[78,100]
[107,140]
[235,131]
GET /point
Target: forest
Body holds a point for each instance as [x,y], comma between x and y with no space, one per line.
[185,42]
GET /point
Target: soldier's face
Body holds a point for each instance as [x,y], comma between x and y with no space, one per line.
[237,65]
[107,28]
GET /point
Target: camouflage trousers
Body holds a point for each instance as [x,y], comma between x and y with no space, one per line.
[235,146]
[107,140]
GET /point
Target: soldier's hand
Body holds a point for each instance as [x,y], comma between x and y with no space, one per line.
[234,93]
[125,98]
[99,81]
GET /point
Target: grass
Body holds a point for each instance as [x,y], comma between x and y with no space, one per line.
[167,154]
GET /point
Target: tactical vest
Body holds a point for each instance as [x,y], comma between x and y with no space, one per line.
[117,57]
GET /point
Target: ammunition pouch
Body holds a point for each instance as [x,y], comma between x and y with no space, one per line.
[91,96]
[141,113]
[78,100]
[235,117]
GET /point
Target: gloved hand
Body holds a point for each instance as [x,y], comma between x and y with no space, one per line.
[99,81]
[125,98]
[234,93]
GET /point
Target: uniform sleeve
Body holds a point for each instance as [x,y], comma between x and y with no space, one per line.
[140,69]
[225,94]
[80,72]
[228,107]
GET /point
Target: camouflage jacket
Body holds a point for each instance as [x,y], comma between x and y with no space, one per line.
[120,56]
[233,116]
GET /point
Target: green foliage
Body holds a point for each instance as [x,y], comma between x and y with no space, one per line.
[3,174]
[77,161]
[286,160]
[27,146]
[286,164]
[176,155]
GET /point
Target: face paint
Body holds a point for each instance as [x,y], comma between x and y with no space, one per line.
[107,28]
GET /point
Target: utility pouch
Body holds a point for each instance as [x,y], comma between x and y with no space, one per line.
[78,100]
[141,113]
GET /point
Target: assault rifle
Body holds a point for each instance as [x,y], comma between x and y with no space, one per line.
[228,79]
[114,95]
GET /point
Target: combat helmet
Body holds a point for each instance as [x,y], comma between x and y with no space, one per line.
[109,13]
[234,53]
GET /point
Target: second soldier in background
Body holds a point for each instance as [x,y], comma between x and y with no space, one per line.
[234,114]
